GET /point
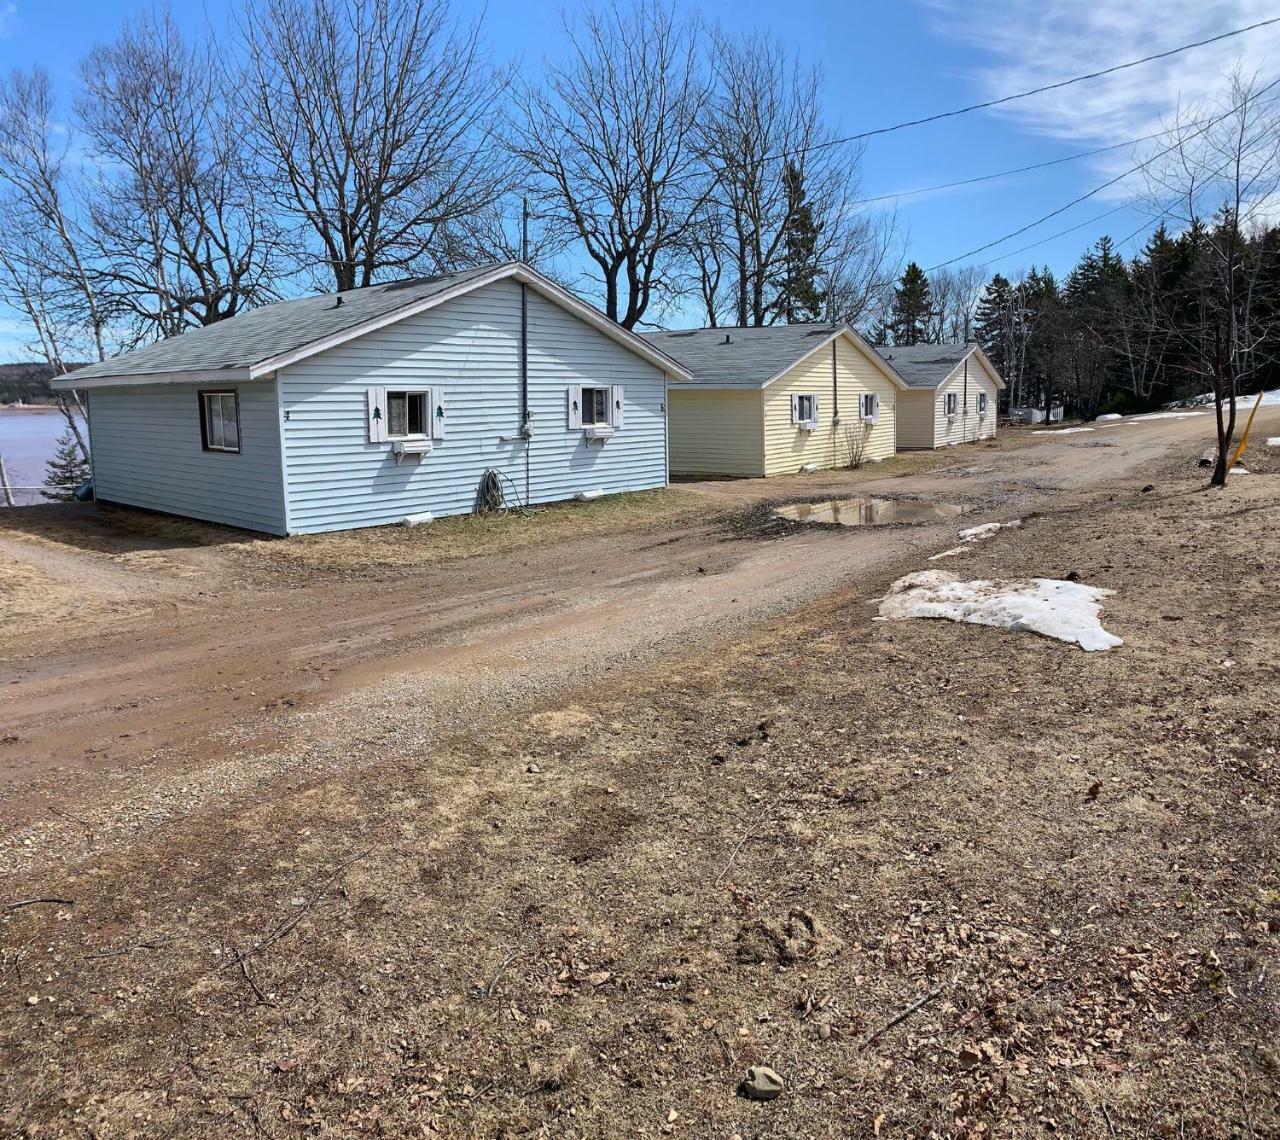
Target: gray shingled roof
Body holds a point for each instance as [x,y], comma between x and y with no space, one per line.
[740,357]
[925,365]
[260,334]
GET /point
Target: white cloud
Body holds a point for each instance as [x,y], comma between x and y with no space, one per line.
[8,20]
[1016,45]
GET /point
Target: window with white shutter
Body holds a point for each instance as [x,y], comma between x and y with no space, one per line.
[952,403]
[870,407]
[804,410]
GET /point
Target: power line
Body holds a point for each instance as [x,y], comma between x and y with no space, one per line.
[1015,170]
[1105,185]
[1034,91]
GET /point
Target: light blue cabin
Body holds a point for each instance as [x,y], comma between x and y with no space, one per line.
[379,404]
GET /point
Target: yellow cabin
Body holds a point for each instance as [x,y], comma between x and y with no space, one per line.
[954,390]
[771,401]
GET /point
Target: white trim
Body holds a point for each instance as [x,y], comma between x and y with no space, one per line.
[284,463]
[230,376]
[976,353]
[884,367]
[513,269]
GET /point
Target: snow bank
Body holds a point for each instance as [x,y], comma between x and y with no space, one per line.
[1067,611]
[1273,441]
[1061,431]
[1107,417]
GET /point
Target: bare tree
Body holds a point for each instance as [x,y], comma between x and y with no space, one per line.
[1220,180]
[955,294]
[609,137]
[776,165]
[183,238]
[44,271]
[374,126]
[44,239]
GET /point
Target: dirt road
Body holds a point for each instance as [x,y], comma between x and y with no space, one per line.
[559,841]
[224,667]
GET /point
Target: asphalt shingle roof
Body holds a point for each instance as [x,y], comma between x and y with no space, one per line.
[740,357]
[260,334]
[925,365]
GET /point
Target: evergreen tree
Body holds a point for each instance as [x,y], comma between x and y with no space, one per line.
[911,307]
[991,322]
[799,297]
[66,470]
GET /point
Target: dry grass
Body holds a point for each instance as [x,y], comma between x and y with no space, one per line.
[466,536]
[148,541]
[754,856]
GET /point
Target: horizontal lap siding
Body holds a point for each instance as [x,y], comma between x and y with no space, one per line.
[147,452]
[468,348]
[715,432]
[563,351]
[916,418]
[966,427]
[788,448]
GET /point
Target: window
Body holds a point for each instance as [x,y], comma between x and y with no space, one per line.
[804,410]
[870,407]
[220,421]
[982,403]
[952,403]
[408,414]
[595,406]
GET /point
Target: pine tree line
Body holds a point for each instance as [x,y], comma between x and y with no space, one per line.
[1116,335]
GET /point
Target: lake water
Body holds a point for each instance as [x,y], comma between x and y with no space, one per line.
[28,439]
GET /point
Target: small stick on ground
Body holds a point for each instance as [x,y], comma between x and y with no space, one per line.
[487,992]
[745,836]
[293,920]
[38,902]
[899,1018]
[244,970]
[1111,1128]
[75,819]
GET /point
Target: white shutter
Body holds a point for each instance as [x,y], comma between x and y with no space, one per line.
[874,417]
[817,415]
[435,409]
[377,400]
[795,409]
[616,404]
[573,407]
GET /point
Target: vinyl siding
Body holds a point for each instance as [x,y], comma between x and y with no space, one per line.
[966,427]
[916,418]
[469,348]
[147,452]
[715,432]
[787,447]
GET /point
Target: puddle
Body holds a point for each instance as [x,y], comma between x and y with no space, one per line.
[868,510]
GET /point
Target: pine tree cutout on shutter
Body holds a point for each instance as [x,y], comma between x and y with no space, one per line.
[377,402]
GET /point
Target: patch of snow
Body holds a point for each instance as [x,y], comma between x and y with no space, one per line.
[974,534]
[1271,399]
[1108,416]
[1061,431]
[1165,416]
[1067,611]
[1237,470]
[986,530]
[1274,441]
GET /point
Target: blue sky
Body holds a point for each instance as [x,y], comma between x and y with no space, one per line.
[884,63]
